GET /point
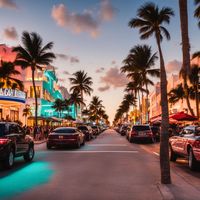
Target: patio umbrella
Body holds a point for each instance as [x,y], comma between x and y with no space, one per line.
[181,116]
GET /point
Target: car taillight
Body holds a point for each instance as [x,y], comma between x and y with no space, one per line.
[3,141]
[197,144]
[133,132]
[149,133]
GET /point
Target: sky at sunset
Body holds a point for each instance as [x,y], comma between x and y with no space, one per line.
[92,35]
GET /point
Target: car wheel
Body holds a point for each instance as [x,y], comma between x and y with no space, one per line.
[78,145]
[30,154]
[192,162]
[48,146]
[83,142]
[172,155]
[9,161]
[130,140]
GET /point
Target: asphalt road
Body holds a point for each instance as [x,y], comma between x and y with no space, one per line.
[106,168]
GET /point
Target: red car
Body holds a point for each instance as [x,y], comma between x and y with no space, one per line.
[64,136]
[140,133]
[186,144]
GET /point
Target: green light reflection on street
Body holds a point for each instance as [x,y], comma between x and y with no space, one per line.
[34,174]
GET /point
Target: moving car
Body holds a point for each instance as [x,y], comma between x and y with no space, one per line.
[186,144]
[140,133]
[64,136]
[87,131]
[14,143]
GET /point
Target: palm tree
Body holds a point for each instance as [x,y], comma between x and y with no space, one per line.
[150,20]
[176,94]
[196,54]
[32,54]
[140,62]
[81,83]
[194,80]
[59,105]
[95,107]
[197,11]
[185,48]
[27,112]
[7,70]
[75,98]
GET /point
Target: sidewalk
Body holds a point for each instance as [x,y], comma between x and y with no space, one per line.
[180,189]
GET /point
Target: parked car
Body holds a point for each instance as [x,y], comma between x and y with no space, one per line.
[14,143]
[95,130]
[186,144]
[140,133]
[87,131]
[124,129]
[65,136]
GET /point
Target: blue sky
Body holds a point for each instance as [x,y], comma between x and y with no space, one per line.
[93,35]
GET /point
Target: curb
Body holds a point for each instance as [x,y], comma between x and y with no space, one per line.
[165,192]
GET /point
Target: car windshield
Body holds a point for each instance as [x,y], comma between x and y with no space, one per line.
[2,129]
[84,128]
[141,128]
[64,130]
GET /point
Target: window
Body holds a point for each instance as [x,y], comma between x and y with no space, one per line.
[38,90]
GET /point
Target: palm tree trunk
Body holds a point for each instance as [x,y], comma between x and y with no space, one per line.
[164,139]
[197,100]
[35,94]
[82,101]
[147,105]
[139,106]
[185,48]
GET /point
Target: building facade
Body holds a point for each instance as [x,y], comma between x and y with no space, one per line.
[12,102]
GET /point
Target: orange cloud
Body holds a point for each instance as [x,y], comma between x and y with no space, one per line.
[114,78]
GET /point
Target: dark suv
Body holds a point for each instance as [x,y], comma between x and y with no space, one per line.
[14,143]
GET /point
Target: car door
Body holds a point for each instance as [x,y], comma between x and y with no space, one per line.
[22,138]
[19,138]
[186,135]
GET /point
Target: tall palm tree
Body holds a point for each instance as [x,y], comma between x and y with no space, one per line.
[27,112]
[75,98]
[34,55]
[140,62]
[150,20]
[194,80]
[95,107]
[7,70]
[81,83]
[185,48]
[59,106]
[176,94]
[197,11]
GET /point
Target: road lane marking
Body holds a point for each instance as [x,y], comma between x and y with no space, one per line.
[156,153]
[94,152]
[107,145]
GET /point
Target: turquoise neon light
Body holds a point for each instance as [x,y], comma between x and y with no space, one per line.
[27,178]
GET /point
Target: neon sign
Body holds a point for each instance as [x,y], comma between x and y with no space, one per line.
[12,95]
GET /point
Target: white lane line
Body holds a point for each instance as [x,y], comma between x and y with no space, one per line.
[107,145]
[95,152]
[156,153]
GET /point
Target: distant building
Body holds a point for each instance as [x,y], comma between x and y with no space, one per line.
[155,99]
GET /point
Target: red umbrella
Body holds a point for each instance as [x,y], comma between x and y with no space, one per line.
[181,116]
